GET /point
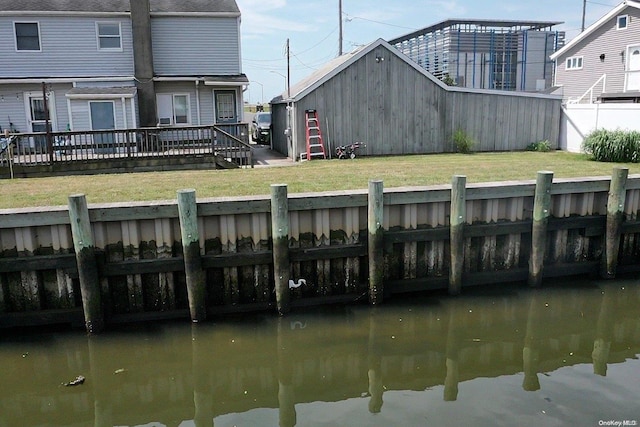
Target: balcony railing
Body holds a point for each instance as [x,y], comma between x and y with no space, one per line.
[227,141]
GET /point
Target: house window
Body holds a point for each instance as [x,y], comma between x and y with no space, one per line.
[173,109]
[623,20]
[574,63]
[27,36]
[109,36]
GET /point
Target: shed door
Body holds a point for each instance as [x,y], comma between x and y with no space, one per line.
[633,68]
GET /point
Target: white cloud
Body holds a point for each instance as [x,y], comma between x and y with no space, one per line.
[451,8]
[261,17]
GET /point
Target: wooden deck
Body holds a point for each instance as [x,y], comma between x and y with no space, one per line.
[38,154]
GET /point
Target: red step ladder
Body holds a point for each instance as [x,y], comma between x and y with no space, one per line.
[315,144]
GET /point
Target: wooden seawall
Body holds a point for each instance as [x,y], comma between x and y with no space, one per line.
[143,274]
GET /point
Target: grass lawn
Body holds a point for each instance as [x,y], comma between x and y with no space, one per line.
[310,176]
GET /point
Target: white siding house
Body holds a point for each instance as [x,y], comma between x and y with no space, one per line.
[603,62]
[84,56]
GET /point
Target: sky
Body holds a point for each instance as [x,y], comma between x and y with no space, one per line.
[312,28]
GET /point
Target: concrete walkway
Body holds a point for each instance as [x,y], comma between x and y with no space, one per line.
[263,156]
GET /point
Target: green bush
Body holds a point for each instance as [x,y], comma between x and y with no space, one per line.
[613,146]
[542,146]
[464,143]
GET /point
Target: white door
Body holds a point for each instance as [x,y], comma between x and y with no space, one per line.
[36,118]
[633,68]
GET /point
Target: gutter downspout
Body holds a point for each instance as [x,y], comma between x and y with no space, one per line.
[198,102]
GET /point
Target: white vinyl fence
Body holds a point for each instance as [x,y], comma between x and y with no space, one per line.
[578,120]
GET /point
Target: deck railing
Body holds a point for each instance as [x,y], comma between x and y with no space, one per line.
[591,95]
[41,148]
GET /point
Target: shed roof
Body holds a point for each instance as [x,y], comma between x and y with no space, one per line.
[593,27]
[119,6]
[337,65]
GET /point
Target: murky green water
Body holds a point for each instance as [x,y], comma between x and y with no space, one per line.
[563,355]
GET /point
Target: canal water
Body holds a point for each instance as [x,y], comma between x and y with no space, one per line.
[501,356]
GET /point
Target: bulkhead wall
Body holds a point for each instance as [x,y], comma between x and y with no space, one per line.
[141,266]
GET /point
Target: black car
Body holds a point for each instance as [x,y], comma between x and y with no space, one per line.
[261,128]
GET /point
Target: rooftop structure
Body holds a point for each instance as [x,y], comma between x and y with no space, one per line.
[486,54]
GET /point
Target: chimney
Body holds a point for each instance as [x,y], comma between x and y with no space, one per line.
[143,61]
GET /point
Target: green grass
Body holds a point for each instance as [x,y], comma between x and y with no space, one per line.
[310,176]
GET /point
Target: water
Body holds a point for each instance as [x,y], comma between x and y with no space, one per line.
[562,355]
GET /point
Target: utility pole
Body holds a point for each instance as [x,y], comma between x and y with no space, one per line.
[584,13]
[340,26]
[288,71]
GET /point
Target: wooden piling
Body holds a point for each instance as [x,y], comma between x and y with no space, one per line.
[541,213]
[86,261]
[376,241]
[457,219]
[196,290]
[280,237]
[615,215]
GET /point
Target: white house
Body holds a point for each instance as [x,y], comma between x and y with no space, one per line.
[602,64]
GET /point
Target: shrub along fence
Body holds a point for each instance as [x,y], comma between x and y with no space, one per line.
[127,262]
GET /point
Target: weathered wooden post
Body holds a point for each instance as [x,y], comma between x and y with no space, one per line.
[280,237]
[541,213]
[615,215]
[9,152]
[457,219]
[376,241]
[196,291]
[87,265]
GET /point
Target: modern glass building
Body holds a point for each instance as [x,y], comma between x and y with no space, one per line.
[486,54]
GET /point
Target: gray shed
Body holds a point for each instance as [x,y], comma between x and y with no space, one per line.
[379,96]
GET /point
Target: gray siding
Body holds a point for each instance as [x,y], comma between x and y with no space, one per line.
[12,105]
[181,88]
[81,113]
[395,109]
[206,105]
[604,40]
[69,48]
[195,46]
[206,98]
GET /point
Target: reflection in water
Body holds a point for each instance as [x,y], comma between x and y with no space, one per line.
[376,387]
[263,369]
[202,392]
[531,351]
[286,399]
[604,332]
[452,354]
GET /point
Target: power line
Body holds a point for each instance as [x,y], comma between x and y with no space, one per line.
[320,42]
[349,18]
[599,4]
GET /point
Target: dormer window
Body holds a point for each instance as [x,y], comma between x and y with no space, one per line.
[623,21]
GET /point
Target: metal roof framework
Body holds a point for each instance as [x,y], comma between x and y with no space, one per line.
[470,25]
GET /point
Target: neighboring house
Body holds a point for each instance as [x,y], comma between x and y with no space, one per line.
[602,64]
[379,96]
[486,54]
[119,63]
